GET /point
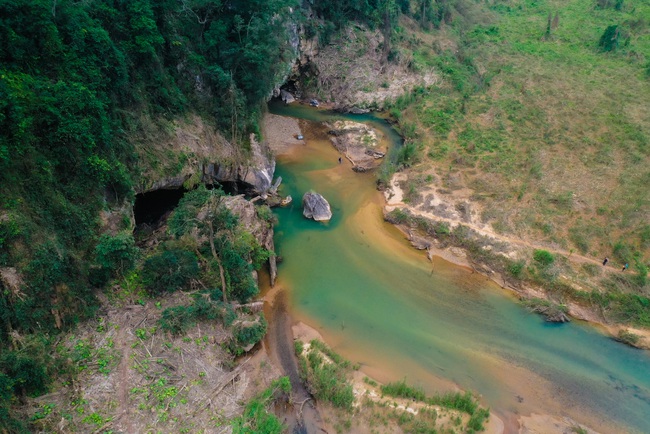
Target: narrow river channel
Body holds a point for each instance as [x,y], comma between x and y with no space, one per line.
[382,304]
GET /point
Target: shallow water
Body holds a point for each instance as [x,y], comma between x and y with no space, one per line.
[381,303]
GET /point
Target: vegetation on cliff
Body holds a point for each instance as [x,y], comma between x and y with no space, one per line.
[77,82]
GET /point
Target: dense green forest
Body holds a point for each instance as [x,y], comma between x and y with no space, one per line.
[78,78]
[74,79]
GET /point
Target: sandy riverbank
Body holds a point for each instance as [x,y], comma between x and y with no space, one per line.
[510,423]
[394,196]
[524,424]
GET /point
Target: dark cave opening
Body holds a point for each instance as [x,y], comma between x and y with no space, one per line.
[154,206]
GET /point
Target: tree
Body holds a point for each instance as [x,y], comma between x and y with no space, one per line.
[232,250]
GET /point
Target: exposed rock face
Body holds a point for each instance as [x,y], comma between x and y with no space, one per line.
[315,206]
[359,143]
[352,80]
[201,154]
[257,172]
[261,229]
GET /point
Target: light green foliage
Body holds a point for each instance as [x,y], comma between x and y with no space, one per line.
[543,257]
[464,402]
[327,380]
[256,418]
[628,337]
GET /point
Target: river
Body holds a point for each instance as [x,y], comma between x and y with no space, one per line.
[379,302]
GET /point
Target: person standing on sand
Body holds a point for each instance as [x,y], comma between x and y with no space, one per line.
[605,261]
[340,160]
[625,266]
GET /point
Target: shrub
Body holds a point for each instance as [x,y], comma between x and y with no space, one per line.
[247,334]
[117,254]
[298,347]
[629,338]
[256,418]
[326,381]
[169,271]
[177,319]
[543,257]
[516,269]
[401,390]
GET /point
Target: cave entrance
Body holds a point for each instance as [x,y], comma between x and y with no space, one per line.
[153,207]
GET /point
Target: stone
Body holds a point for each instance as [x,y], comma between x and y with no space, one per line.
[286,96]
[359,143]
[316,207]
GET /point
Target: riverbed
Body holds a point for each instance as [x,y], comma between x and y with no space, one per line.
[440,326]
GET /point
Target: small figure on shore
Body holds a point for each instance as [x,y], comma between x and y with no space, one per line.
[625,266]
[340,160]
[605,261]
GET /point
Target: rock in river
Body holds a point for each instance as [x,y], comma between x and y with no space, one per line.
[315,206]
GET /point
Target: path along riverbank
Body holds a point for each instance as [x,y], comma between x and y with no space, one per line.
[361,220]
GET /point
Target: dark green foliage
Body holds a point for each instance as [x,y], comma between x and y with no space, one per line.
[247,334]
[237,251]
[543,257]
[609,41]
[169,271]
[117,254]
[178,319]
[28,375]
[256,418]
[610,4]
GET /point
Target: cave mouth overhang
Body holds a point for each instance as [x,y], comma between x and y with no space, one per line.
[152,207]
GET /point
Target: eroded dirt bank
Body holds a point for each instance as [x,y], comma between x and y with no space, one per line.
[501,423]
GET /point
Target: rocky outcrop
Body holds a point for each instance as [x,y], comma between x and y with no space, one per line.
[194,152]
[261,229]
[257,172]
[316,207]
[351,72]
[358,142]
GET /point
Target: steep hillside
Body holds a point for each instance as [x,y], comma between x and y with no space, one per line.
[537,139]
[93,96]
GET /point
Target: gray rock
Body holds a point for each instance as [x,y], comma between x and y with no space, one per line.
[315,206]
[359,111]
[257,172]
[286,96]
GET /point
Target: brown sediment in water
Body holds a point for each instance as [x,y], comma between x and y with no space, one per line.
[529,393]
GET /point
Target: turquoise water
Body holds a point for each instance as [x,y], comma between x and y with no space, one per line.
[380,303]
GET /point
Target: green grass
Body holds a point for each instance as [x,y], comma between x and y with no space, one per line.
[561,127]
[327,380]
[257,419]
[463,402]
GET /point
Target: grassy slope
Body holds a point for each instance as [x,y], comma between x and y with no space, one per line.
[556,146]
